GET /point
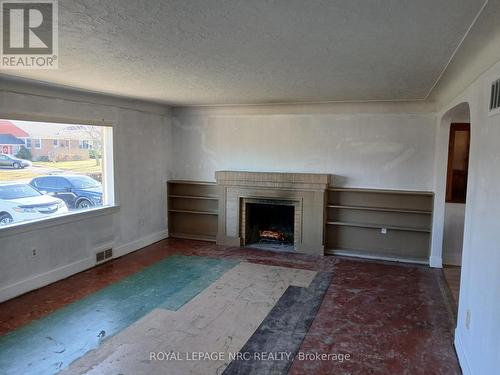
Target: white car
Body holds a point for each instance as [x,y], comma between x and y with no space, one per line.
[22,202]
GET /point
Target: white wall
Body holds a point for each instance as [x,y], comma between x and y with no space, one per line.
[141,149]
[362,145]
[478,343]
[454,219]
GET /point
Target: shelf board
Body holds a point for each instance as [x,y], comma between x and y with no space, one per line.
[381,191]
[197,237]
[364,208]
[206,197]
[194,212]
[191,182]
[375,255]
[378,226]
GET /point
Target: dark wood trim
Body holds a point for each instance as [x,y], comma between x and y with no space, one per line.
[454,127]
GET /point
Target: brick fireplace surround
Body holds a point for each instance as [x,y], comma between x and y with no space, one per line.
[306,191]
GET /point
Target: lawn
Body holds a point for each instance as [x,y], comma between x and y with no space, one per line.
[17,174]
[80,166]
[44,168]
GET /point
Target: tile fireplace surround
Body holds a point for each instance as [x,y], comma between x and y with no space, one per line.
[306,191]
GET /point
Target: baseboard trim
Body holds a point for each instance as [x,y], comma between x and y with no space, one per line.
[46,278]
[49,277]
[130,247]
[462,357]
[435,262]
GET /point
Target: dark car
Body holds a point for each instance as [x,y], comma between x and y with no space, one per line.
[13,162]
[77,191]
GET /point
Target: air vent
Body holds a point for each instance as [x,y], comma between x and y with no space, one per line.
[104,255]
[495,97]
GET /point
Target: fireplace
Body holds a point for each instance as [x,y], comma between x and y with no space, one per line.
[301,201]
[269,224]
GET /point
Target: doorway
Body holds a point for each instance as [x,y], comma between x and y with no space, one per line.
[458,163]
[456,197]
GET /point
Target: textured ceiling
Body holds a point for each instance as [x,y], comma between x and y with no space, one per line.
[249,52]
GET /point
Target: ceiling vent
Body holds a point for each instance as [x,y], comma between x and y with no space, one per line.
[495,97]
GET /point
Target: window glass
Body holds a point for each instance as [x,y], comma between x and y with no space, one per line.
[46,182]
[17,191]
[62,183]
[83,182]
[67,167]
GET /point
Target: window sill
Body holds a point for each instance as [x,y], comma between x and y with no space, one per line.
[58,220]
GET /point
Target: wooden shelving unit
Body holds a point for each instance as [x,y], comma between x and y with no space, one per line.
[423,212]
[193,208]
[388,224]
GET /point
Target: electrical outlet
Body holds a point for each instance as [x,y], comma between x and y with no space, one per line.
[383,230]
[467,319]
[34,252]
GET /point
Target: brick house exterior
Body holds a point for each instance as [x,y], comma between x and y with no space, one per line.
[45,144]
[56,149]
[11,137]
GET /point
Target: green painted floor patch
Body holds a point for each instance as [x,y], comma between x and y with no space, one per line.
[50,344]
[196,285]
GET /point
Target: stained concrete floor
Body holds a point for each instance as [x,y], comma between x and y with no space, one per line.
[369,318]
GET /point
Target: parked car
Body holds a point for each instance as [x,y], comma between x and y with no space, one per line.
[78,191]
[21,202]
[7,160]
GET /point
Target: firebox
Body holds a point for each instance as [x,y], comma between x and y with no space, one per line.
[270,225]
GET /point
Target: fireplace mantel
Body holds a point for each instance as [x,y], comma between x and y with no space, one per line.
[279,180]
[306,189]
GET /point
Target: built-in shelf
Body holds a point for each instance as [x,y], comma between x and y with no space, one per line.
[363,208]
[356,218]
[353,225]
[193,197]
[382,191]
[195,212]
[375,255]
[191,182]
[193,209]
[378,226]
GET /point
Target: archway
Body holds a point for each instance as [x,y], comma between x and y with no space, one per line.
[451,187]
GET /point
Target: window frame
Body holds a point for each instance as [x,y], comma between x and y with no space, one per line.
[110,195]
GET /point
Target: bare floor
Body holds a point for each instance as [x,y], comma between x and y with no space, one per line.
[452,277]
[379,317]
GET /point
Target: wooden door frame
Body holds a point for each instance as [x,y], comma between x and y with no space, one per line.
[454,127]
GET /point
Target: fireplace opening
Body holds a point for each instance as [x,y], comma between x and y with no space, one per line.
[270,226]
